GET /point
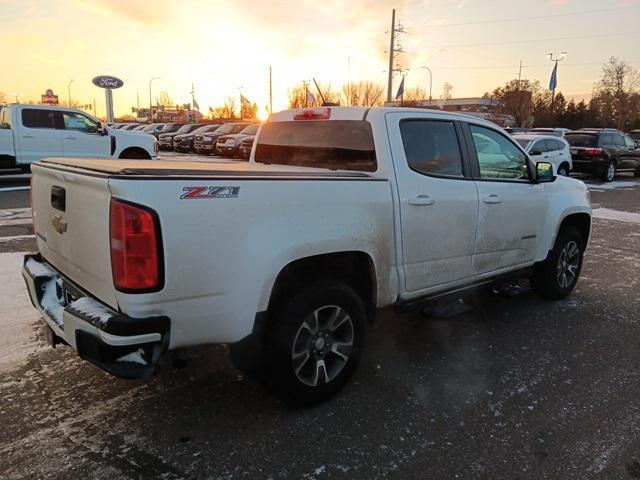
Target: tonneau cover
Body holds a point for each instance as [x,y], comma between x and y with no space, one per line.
[193,168]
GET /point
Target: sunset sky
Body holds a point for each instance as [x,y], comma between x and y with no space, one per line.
[224,47]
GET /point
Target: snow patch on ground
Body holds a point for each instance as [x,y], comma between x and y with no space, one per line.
[612,185]
[92,309]
[18,319]
[616,215]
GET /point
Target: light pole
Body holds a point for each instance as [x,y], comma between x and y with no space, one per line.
[150,102]
[430,83]
[554,77]
[69,91]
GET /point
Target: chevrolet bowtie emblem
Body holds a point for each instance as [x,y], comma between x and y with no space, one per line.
[59,224]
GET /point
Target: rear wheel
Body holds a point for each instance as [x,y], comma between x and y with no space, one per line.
[556,277]
[135,153]
[563,170]
[608,173]
[315,342]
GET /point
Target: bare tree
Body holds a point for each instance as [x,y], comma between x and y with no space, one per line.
[307,95]
[446,91]
[617,98]
[363,93]
[164,100]
[3,97]
[227,110]
[415,94]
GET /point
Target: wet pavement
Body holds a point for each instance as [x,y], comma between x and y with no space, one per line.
[516,388]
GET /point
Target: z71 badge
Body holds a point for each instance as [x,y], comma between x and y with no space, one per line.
[209,192]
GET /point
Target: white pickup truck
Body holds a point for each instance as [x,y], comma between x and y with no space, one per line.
[339,212]
[29,133]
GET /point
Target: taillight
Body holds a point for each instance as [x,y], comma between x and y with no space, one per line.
[315,114]
[593,152]
[135,248]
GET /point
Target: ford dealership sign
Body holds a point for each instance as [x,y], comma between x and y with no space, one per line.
[107,81]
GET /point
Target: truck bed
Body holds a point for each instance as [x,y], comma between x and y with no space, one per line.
[165,168]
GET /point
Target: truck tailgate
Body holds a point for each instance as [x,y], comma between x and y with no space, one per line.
[71,221]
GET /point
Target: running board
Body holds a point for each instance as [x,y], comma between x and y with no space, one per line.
[421,302]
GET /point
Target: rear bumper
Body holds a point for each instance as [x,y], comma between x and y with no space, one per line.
[588,166]
[121,345]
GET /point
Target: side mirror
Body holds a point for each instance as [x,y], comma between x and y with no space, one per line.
[102,129]
[535,153]
[544,172]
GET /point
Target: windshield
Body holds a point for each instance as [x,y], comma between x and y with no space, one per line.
[170,127]
[336,145]
[205,129]
[225,128]
[187,128]
[582,139]
[524,143]
[250,130]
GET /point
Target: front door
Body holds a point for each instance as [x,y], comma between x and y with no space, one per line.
[81,138]
[37,136]
[511,207]
[438,200]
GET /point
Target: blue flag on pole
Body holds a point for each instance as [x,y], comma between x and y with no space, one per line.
[553,81]
[400,93]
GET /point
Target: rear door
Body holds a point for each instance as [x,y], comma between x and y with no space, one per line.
[632,153]
[80,137]
[511,208]
[37,136]
[71,222]
[438,200]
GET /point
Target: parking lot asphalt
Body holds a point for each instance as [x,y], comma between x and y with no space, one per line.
[515,388]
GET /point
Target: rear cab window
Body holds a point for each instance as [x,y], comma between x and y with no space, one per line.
[335,144]
[431,147]
[582,139]
[38,118]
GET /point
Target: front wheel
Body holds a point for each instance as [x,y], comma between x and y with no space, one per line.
[556,277]
[315,342]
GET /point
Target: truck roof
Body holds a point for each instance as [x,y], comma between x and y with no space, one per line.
[361,113]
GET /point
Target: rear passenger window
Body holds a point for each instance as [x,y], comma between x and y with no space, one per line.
[619,141]
[432,147]
[36,118]
[606,139]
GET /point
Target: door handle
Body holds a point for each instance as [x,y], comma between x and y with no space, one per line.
[27,136]
[70,138]
[422,200]
[546,156]
[492,198]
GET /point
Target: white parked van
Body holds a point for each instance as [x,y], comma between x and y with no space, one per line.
[29,133]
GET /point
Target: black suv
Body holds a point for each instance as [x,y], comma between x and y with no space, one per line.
[603,152]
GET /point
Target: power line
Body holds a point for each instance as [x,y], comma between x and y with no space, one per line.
[514,19]
[577,37]
[498,67]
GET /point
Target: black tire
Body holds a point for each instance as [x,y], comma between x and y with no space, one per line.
[135,154]
[547,280]
[637,173]
[608,173]
[563,170]
[287,338]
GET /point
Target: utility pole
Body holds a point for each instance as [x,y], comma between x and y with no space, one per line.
[138,100]
[393,49]
[69,91]
[270,93]
[519,74]
[430,83]
[150,104]
[95,111]
[391,52]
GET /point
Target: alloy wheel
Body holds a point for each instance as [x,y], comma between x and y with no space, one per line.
[568,263]
[322,345]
